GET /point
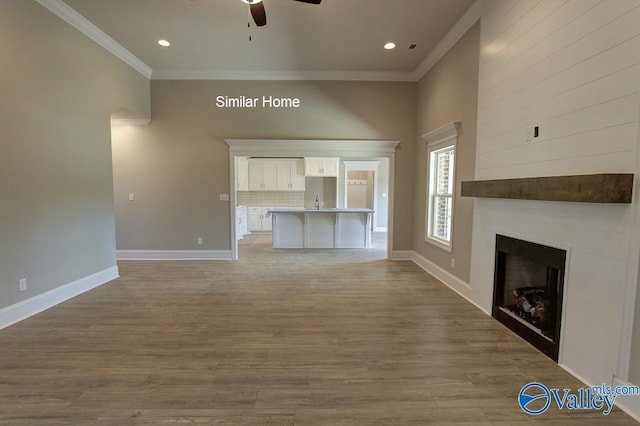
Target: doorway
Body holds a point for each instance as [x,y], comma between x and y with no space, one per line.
[360,151]
[360,189]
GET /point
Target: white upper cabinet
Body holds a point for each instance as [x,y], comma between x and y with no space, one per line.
[290,175]
[242,174]
[262,175]
[277,174]
[321,166]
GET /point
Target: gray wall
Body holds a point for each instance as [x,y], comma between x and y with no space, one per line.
[58,89]
[179,164]
[449,92]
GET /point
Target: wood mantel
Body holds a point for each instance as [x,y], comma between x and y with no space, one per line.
[599,188]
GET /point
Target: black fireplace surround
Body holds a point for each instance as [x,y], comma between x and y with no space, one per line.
[527,291]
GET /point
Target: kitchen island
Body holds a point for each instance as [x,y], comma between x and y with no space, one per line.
[323,228]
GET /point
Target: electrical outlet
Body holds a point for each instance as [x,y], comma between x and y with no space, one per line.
[132,196]
[224,197]
[453,264]
[23,284]
[529,134]
[200,241]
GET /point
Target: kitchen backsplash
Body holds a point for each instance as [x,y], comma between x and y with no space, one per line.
[270,199]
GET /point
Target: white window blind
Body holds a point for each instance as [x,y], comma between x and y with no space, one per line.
[442,162]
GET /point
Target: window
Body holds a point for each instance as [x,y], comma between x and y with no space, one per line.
[441,149]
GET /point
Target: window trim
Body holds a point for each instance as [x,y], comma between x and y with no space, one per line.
[437,140]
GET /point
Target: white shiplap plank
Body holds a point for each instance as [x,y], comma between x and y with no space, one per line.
[575,43]
[564,101]
[508,44]
[589,118]
[616,162]
[620,34]
[503,23]
[599,142]
[588,71]
[519,50]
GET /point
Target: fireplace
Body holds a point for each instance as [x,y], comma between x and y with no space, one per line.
[527,291]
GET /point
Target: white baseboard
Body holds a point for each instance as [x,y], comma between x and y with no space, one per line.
[448,279]
[628,404]
[36,304]
[174,255]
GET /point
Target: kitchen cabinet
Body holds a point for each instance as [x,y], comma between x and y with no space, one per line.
[242,173]
[274,174]
[290,175]
[321,166]
[262,175]
[259,219]
[242,228]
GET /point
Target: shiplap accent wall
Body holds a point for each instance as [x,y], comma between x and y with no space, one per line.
[570,67]
[573,69]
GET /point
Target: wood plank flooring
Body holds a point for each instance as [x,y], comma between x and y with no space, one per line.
[281,337]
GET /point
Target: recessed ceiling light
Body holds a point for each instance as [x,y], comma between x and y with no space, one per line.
[164,43]
[390,45]
[251,1]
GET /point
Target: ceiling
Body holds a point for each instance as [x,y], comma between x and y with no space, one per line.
[210,37]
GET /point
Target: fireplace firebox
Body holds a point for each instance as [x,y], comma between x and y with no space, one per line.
[527,291]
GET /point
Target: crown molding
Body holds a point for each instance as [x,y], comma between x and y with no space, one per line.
[455,33]
[82,24]
[284,75]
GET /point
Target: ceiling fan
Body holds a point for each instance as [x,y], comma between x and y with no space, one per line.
[258,13]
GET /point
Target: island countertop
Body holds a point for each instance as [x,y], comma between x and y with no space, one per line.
[303,210]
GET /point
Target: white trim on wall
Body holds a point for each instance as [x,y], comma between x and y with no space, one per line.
[86,27]
[443,138]
[628,404]
[41,302]
[445,277]
[173,254]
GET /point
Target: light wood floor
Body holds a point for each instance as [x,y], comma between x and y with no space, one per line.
[279,338]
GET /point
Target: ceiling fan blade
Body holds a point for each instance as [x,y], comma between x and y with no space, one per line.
[259,14]
[309,1]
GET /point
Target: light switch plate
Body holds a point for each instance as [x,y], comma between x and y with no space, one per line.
[224,197]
